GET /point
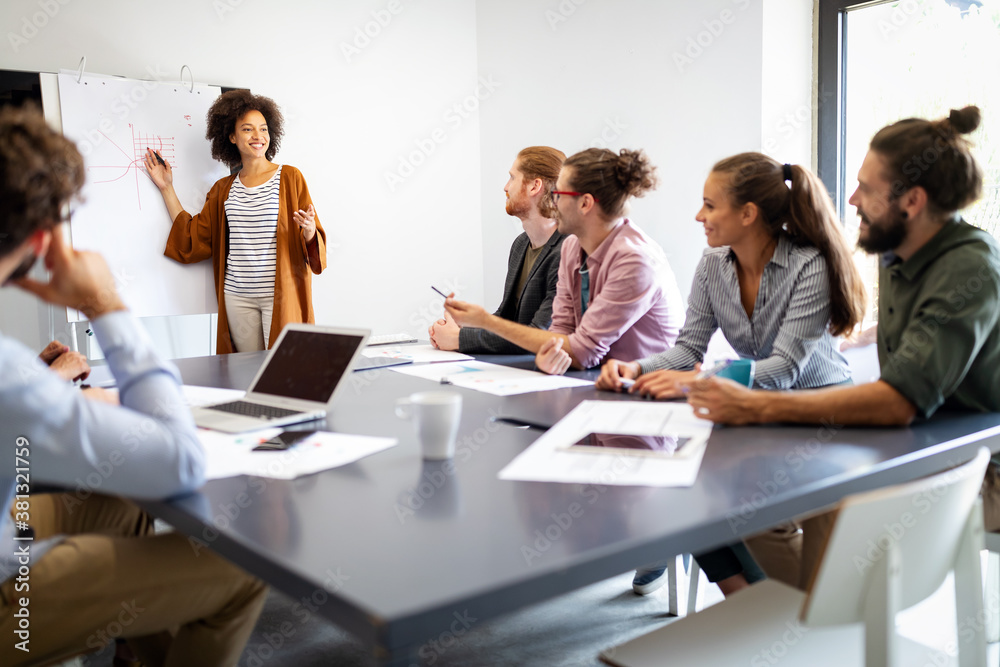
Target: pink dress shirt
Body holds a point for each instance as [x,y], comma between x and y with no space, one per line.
[635,308]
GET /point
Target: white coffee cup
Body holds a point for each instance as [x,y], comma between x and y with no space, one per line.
[436,415]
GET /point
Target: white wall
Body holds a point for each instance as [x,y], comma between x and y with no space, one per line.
[680,80]
[683,81]
[788,100]
[349,119]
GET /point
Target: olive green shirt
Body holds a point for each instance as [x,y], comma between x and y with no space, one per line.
[938,329]
[530,257]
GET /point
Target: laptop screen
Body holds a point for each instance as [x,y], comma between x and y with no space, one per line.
[307,365]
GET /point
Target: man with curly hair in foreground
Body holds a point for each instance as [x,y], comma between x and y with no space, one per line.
[79,569]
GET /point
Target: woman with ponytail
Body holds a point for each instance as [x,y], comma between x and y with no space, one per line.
[779,280]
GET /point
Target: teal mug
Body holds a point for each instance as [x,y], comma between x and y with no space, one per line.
[739,370]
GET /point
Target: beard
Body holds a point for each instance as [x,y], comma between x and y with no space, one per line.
[885,234]
[22,269]
[521,206]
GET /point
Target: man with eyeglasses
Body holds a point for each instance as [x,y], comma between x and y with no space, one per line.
[533,264]
[616,293]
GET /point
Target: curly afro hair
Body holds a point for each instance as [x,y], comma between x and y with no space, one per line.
[229,108]
[40,171]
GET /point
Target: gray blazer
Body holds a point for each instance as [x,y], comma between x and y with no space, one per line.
[532,307]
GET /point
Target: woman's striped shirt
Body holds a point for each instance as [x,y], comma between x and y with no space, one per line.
[252,216]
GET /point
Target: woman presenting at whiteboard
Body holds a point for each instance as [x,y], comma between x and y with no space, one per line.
[258,226]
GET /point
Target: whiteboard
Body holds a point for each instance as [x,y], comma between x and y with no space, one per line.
[113,120]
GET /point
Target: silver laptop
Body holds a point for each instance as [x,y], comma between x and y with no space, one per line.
[296,383]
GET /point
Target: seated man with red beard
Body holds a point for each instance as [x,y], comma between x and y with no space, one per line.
[533,265]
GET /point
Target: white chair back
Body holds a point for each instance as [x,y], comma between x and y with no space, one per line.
[917,527]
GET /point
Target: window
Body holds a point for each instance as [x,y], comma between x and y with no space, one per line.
[883,61]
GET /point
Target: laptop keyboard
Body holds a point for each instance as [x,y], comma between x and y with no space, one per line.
[249,409]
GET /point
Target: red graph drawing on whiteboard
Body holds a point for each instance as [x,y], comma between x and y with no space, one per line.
[135,162]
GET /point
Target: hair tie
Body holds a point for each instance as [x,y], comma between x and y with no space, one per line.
[786,171]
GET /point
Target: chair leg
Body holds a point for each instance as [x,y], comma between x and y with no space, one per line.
[694,578]
[991,596]
[968,592]
[882,603]
[673,607]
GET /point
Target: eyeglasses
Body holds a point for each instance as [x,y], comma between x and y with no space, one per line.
[557,193]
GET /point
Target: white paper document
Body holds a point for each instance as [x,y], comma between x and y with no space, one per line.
[229,455]
[414,353]
[491,378]
[620,443]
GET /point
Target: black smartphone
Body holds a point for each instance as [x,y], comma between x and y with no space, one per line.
[282,441]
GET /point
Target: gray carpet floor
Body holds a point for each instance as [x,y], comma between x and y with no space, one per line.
[569,630]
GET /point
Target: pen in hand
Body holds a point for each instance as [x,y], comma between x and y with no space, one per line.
[158,158]
[439,291]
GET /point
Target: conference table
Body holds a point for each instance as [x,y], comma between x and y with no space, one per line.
[407,554]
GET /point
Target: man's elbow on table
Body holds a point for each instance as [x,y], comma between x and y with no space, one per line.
[896,409]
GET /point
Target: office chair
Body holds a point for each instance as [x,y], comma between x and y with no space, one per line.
[889,549]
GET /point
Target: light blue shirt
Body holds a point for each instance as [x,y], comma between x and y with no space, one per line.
[788,333]
[147,448]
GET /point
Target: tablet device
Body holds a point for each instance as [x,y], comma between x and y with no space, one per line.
[656,446]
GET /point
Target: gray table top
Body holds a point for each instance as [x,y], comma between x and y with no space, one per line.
[396,549]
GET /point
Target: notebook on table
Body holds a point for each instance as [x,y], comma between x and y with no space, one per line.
[297,382]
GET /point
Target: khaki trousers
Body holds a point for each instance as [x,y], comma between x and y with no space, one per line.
[113,578]
[249,321]
[791,552]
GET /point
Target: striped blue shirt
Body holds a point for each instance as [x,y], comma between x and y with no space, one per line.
[787,335]
[252,215]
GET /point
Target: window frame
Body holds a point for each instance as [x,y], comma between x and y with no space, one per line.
[831,92]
